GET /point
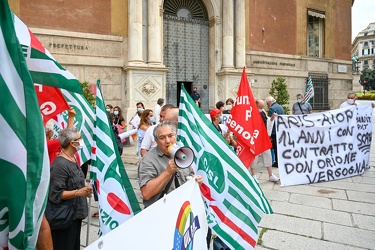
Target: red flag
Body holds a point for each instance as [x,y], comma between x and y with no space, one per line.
[247,124]
[51,101]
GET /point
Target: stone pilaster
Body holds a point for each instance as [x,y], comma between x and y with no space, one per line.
[228,29]
[240,33]
[135,31]
[154,33]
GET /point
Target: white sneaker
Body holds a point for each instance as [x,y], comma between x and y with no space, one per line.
[274,178]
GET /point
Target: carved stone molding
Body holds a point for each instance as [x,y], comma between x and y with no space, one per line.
[213,20]
[148,88]
[220,88]
[234,89]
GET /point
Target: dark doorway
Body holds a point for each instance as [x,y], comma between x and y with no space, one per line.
[187,85]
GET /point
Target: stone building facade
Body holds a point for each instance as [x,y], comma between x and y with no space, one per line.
[146,49]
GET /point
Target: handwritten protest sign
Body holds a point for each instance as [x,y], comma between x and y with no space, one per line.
[324,146]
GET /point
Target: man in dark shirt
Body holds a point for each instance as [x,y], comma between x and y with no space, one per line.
[196,97]
[274,107]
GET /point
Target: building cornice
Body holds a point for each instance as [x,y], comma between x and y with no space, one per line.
[62,33]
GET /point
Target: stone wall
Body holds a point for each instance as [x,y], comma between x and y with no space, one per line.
[266,67]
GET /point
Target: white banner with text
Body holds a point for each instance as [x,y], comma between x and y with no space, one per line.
[177,221]
[324,146]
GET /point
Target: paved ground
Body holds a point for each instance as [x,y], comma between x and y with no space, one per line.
[329,215]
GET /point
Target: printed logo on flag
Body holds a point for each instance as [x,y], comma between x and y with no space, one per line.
[186,226]
[215,175]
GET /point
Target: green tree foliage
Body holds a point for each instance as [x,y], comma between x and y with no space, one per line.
[367,79]
[280,93]
[87,93]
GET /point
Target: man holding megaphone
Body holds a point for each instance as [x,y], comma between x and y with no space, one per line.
[165,167]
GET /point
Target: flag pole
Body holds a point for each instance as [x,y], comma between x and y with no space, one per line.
[88,221]
[89,210]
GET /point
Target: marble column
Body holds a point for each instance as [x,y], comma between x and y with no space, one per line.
[135,31]
[228,29]
[240,33]
[154,32]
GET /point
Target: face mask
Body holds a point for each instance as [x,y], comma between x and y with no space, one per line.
[229,107]
[350,101]
[108,110]
[115,112]
[152,119]
[140,109]
[299,100]
[78,148]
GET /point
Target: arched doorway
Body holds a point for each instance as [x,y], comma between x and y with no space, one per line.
[186,47]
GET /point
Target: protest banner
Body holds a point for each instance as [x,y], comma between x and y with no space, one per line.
[324,146]
[177,221]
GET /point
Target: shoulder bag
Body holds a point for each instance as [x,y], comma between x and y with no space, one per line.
[60,216]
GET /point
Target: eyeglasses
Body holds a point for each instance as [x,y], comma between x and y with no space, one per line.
[78,139]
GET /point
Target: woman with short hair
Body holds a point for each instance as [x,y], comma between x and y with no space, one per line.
[67,183]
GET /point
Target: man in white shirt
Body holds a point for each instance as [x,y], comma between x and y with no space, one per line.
[148,139]
[352,97]
[157,110]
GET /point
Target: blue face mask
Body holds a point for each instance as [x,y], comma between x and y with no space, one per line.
[115,112]
[152,119]
[140,109]
[299,100]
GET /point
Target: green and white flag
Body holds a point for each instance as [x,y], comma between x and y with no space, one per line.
[24,162]
[235,203]
[117,200]
[43,67]
[309,93]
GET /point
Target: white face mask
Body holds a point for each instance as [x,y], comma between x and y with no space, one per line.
[108,110]
[229,107]
[115,112]
[350,101]
[152,119]
[78,148]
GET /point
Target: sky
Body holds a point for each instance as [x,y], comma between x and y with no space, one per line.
[363,13]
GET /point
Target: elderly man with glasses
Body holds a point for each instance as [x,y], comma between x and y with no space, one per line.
[158,174]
